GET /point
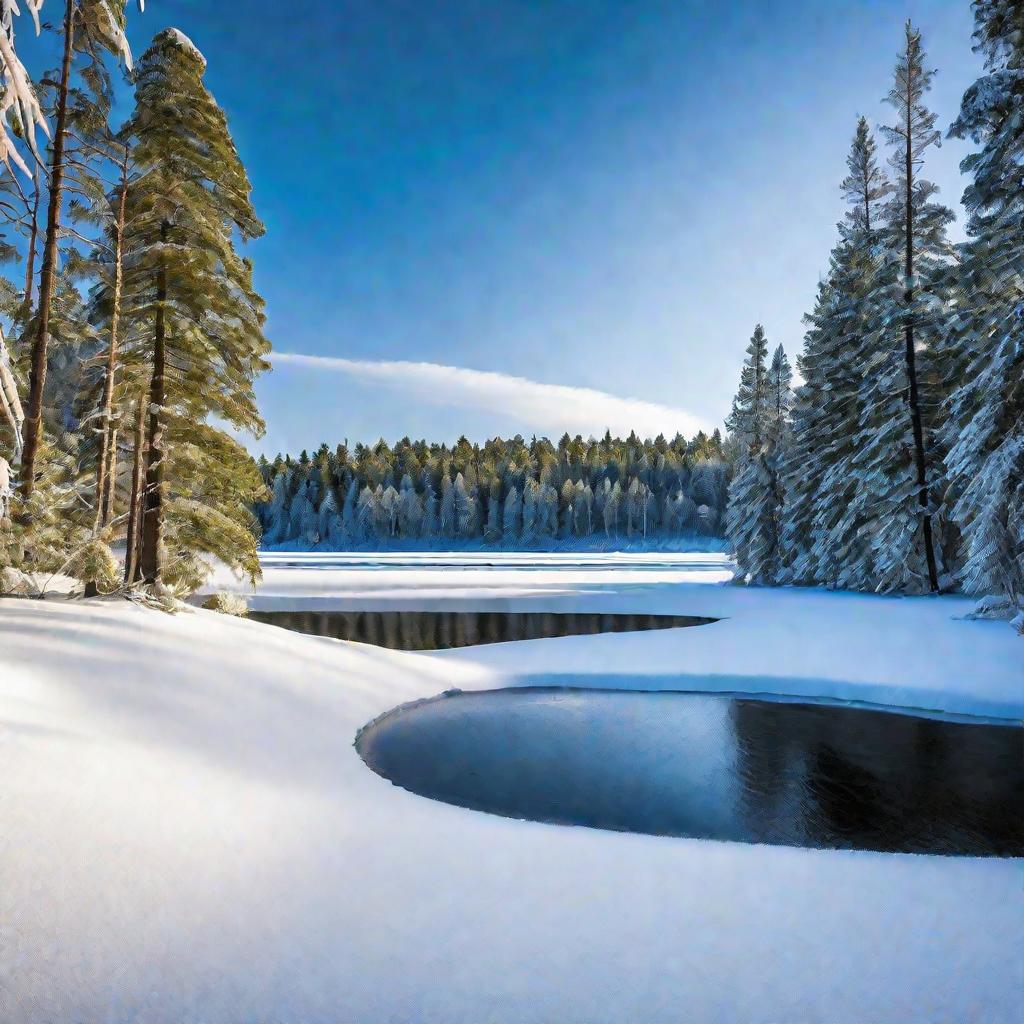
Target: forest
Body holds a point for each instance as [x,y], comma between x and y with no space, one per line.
[133,330]
[507,492]
[897,464]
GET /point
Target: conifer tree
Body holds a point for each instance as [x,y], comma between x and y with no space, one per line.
[88,27]
[985,432]
[822,514]
[759,425]
[748,512]
[902,399]
[105,207]
[197,320]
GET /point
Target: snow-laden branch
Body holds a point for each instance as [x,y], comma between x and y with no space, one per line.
[19,96]
[10,404]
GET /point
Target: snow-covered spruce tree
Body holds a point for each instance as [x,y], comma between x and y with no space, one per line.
[985,431]
[512,516]
[88,28]
[753,510]
[197,322]
[776,443]
[898,466]
[821,536]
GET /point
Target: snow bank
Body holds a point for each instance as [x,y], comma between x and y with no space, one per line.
[188,834]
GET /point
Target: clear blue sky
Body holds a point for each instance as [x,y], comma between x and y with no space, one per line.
[599,194]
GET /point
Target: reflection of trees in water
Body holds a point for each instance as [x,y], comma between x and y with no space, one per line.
[852,778]
[440,630]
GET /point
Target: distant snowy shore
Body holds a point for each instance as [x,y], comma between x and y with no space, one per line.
[581,545]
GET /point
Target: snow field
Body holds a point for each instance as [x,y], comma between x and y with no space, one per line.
[190,835]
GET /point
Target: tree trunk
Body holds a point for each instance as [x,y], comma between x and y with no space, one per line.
[108,455]
[131,553]
[911,357]
[110,497]
[30,256]
[37,378]
[153,513]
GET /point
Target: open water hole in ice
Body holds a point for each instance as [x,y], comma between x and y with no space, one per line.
[443,629]
[714,767]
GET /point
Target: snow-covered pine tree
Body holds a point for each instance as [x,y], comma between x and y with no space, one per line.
[197,320]
[492,527]
[512,516]
[299,510]
[902,397]
[821,538]
[366,515]
[390,510]
[780,398]
[465,508]
[747,420]
[447,518]
[530,513]
[752,514]
[349,508]
[278,517]
[411,509]
[98,173]
[431,524]
[547,512]
[309,524]
[567,514]
[985,431]
[611,508]
[88,28]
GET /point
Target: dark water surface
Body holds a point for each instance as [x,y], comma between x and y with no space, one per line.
[440,630]
[715,767]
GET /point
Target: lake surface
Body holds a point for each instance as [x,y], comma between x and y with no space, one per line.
[715,767]
[441,630]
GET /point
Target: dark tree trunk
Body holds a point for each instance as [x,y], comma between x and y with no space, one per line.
[152,511]
[131,553]
[911,357]
[30,256]
[37,378]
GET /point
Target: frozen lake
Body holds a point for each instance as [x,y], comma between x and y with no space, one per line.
[447,630]
[713,767]
[183,801]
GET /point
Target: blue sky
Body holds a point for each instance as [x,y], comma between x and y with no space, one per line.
[597,195]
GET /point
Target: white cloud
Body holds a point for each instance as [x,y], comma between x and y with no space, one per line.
[544,408]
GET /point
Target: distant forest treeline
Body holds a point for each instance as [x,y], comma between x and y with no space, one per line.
[514,492]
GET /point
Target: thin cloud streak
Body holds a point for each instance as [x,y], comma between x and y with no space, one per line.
[542,408]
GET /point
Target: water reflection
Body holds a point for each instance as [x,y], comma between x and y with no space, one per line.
[440,630]
[714,767]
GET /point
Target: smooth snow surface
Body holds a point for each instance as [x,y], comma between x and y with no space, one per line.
[189,834]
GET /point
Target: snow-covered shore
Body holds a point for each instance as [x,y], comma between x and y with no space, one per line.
[188,833]
[918,652]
